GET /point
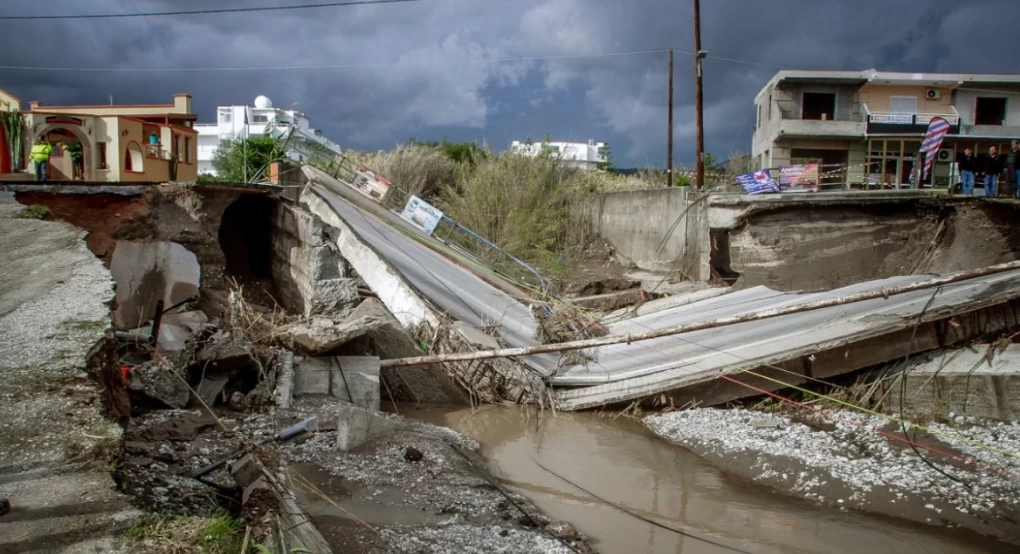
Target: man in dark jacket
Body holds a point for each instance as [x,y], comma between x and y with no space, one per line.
[967,164]
[992,168]
[1013,169]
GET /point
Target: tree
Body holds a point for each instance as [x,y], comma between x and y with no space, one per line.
[229,159]
[608,164]
[709,160]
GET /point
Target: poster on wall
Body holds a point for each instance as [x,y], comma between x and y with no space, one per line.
[758,182]
[798,178]
[371,184]
[421,214]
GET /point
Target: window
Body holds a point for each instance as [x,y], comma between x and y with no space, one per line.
[770,107]
[759,116]
[225,116]
[260,118]
[818,105]
[101,154]
[990,111]
[187,150]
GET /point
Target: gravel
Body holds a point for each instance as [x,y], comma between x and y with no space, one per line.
[845,463]
[56,330]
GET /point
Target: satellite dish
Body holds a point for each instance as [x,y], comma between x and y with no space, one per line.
[263,102]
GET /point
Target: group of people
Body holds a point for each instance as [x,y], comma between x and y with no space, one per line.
[992,167]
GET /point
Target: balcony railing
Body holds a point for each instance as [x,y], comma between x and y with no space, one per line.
[908,123]
[911,118]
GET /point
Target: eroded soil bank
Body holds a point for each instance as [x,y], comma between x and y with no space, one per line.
[626,464]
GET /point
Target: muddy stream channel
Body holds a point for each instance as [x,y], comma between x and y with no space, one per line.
[624,463]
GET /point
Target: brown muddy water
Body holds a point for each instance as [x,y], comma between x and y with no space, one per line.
[624,463]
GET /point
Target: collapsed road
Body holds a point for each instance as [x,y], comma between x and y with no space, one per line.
[329,296]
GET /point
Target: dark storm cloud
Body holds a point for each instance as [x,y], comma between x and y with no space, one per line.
[417,67]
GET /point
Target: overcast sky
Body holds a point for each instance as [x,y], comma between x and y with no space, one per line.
[419,69]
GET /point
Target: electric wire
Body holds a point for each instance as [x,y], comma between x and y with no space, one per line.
[639,516]
[505,495]
[201,12]
[329,66]
[903,392]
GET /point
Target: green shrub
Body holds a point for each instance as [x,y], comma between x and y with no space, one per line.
[35,211]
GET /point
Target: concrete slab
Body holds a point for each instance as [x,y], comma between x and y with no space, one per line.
[149,271]
[980,381]
[311,375]
[355,426]
[356,380]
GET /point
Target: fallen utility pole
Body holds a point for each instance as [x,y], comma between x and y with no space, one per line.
[721,322]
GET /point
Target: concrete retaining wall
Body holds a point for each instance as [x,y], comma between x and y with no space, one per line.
[636,223]
[806,241]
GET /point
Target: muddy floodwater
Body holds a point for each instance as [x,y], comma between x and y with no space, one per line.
[624,463]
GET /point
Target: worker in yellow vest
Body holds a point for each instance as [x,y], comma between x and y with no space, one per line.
[40,156]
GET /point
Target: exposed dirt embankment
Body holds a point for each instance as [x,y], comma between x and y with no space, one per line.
[816,247]
[851,461]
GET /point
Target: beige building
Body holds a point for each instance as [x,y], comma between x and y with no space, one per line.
[870,123]
[119,143]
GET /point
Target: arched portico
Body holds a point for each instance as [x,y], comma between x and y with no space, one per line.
[48,129]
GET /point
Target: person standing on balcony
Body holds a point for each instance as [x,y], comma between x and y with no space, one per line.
[40,156]
[967,164]
[1013,169]
[992,169]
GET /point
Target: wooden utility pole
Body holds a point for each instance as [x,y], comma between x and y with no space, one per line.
[698,97]
[669,135]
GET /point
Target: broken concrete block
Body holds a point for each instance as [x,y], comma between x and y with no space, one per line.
[389,341]
[222,354]
[311,376]
[332,296]
[285,380]
[160,385]
[149,271]
[247,474]
[356,379]
[356,426]
[210,388]
[319,335]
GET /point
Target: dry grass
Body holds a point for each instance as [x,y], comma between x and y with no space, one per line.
[416,169]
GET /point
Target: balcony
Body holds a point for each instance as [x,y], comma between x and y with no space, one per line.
[908,123]
[989,131]
[820,128]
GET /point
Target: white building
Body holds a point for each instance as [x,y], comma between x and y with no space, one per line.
[230,123]
[583,155]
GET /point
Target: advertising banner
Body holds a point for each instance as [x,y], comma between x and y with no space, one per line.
[371,184]
[758,182]
[421,214]
[798,178]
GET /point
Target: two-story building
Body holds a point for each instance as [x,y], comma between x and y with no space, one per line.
[871,122]
[114,142]
[582,155]
[293,127]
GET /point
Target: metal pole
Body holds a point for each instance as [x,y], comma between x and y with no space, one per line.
[698,97]
[669,135]
[244,147]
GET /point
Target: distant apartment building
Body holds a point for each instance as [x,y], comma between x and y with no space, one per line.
[872,122]
[118,142]
[262,118]
[582,155]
